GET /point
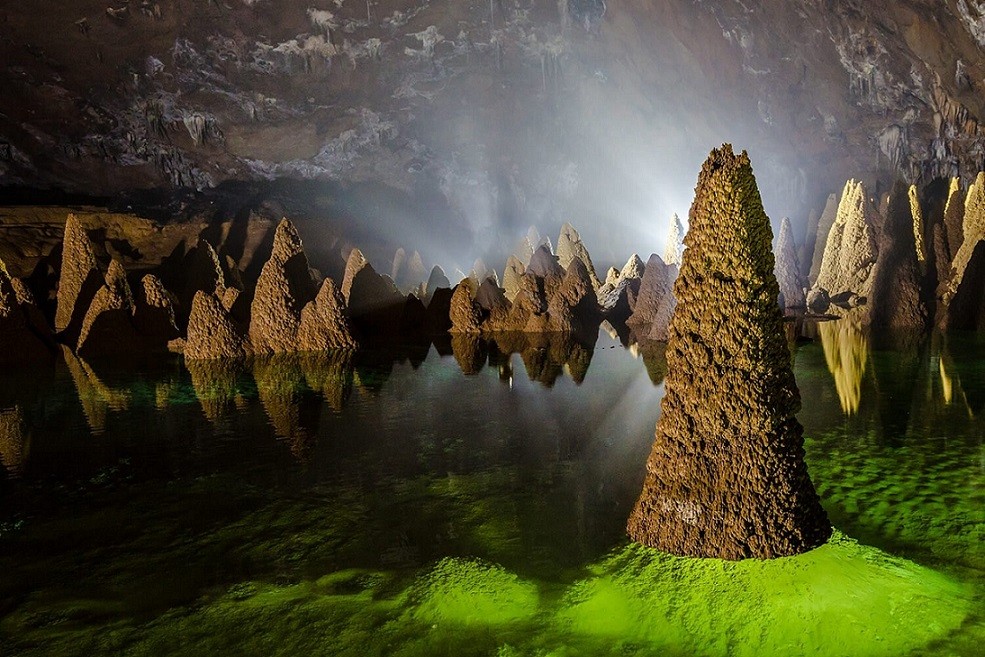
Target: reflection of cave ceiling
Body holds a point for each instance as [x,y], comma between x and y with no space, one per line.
[513,111]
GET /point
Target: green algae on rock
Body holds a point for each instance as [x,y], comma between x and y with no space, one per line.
[726,476]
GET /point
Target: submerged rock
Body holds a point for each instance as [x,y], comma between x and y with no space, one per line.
[284,288]
[726,477]
[78,281]
[787,270]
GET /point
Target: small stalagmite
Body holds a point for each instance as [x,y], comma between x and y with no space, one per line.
[544,264]
[283,289]
[787,270]
[324,322]
[569,247]
[726,477]
[212,332]
[655,286]
[824,224]
[23,335]
[353,264]
[108,324]
[675,242]
[203,273]
[511,276]
[154,316]
[78,281]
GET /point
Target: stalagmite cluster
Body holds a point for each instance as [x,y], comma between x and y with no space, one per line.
[726,477]
[656,301]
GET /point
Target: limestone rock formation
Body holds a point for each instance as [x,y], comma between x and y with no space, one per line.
[107,327]
[675,242]
[916,214]
[353,264]
[436,280]
[544,264]
[973,234]
[284,288]
[78,281]
[495,307]
[465,313]
[896,298]
[574,306]
[439,311]
[569,247]
[24,336]
[634,268]
[324,323]
[787,270]
[375,304]
[655,303]
[825,222]
[212,332]
[966,306]
[851,250]
[511,276]
[154,313]
[202,273]
[726,477]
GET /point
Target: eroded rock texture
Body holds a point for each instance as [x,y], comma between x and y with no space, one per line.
[656,301]
[617,296]
[284,288]
[212,332]
[896,290]
[851,250]
[824,224]
[324,323]
[962,266]
[569,247]
[511,276]
[78,281]
[24,335]
[726,477]
[107,328]
[154,314]
[787,269]
[465,312]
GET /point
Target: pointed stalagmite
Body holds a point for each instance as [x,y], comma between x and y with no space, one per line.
[973,229]
[23,335]
[78,281]
[465,313]
[896,294]
[511,276]
[726,477]
[655,286]
[324,323]
[675,242]
[916,213]
[824,224]
[851,251]
[108,324]
[355,262]
[154,316]
[436,281]
[569,247]
[212,332]
[787,270]
[285,286]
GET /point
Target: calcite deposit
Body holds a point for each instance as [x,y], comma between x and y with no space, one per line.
[851,249]
[726,477]
[78,281]
[820,236]
[787,269]
[571,246]
[324,322]
[212,332]
[896,295]
[23,334]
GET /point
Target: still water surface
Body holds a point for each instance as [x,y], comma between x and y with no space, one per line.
[470,499]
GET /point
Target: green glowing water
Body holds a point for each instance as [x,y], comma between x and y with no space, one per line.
[269,511]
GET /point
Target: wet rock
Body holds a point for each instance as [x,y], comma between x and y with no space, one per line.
[324,323]
[470,351]
[569,247]
[212,332]
[825,222]
[108,326]
[465,312]
[284,288]
[78,281]
[726,477]
[787,270]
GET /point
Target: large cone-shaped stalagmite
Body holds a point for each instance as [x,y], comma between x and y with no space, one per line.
[726,477]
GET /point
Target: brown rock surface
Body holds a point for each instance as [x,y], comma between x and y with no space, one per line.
[544,264]
[284,288]
[24,336]
[787,269]
[895,300]
[324,323]
[78,281]
[966,310]
[726,477]
[657,283]
[154,315]
[511,276]
[465,312]
[212,332]
[108,327]
[973,229]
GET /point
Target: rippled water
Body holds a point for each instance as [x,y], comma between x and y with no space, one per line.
[470,499]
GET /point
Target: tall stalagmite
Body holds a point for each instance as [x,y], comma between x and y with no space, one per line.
[569,247]
[825,222]
[675,242]
[787,269]
[726,477]
[78,281]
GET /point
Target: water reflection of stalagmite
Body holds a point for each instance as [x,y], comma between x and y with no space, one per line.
[13,440]
[469,351]
[331,374]
[547,355]
[655,361]
[846,351]
[292,407]
[216,384]
[95,396]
